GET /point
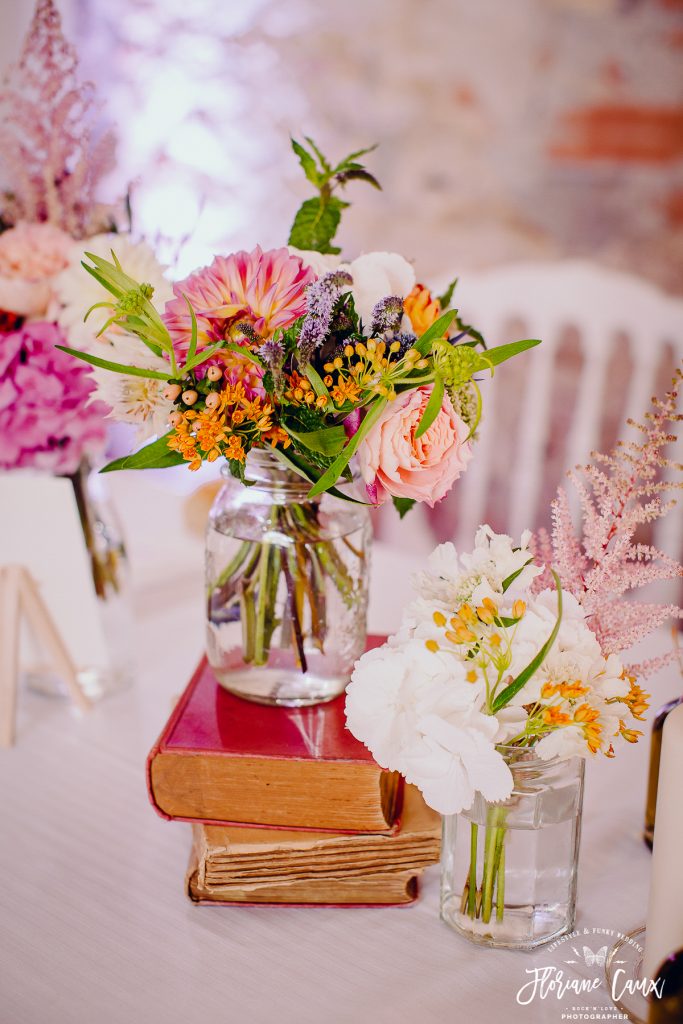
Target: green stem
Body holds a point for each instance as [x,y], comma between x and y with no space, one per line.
[489,866]
[500,884]
[260,647]
[233,565]
[472,883]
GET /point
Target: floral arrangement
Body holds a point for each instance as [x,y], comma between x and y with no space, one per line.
[518,645]
[331,366]
[318,359]
[52,161]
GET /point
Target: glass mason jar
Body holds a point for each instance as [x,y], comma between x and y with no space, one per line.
[287,587]
[508,869]
[103,539]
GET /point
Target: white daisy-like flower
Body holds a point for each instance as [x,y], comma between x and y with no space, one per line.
[75,291]
[137,400]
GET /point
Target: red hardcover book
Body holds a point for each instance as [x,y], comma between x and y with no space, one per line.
[224,760]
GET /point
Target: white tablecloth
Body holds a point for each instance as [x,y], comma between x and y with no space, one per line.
[95,926]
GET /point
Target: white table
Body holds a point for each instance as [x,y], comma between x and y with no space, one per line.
[95,926]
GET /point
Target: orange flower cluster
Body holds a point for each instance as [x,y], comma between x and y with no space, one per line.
[300,391]
[236,424]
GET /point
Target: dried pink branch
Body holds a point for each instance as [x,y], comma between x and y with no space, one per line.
[618,493]
[52,152]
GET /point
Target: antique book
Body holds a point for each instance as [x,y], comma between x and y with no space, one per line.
[258,865]
[224,760]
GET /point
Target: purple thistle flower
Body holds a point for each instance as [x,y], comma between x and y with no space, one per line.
[321,297]
[386,315]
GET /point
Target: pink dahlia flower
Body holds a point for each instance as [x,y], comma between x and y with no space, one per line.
[265,290]
[46,419]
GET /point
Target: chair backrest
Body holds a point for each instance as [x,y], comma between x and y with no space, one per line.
[610,341]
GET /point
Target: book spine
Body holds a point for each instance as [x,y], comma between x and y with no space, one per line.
[168,728]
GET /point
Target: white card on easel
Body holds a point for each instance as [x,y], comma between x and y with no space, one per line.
[40,529]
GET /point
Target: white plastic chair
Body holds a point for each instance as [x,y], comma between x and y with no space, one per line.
[610,341]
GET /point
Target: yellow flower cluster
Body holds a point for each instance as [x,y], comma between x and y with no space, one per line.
[371,367]
[225,430]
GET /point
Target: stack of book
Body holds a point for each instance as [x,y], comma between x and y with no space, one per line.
[286,805]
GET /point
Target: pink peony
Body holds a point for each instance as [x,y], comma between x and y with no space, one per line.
[30,256]
[46,419]
[394,463]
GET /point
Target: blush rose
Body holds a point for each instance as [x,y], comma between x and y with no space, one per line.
[394,463]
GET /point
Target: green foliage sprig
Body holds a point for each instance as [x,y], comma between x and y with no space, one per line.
[317,219]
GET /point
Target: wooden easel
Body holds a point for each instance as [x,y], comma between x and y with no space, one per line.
[19,596]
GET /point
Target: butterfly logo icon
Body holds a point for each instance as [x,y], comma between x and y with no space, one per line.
[589,958]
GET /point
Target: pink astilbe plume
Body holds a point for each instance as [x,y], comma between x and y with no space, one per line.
[619,493]
[51,157]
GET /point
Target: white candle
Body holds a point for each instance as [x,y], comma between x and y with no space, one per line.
[665,909]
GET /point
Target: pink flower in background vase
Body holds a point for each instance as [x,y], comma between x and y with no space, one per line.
[31,255]
[46,419]
[394,463]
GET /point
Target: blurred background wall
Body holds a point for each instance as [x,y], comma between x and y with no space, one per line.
[534,129]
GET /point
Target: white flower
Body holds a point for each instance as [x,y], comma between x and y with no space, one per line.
[563,743]
[319,262]
[138,400]
[417,714]
[375,276]
[453,579]
[76,291]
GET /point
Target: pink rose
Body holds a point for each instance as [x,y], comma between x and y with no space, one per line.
[30,256]
[393,462]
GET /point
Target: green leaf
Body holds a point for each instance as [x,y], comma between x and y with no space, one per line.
[437,330]
[509,580]
[316,223]
[298,465]
[156,455]
[316,380]
[105,364]
[503,352]
[326,441]
[193,340]
[403,505]
[432,408]
[506,695]
[325,164]
[202,356]
[242,350]
[307,162]
[358,174]
[354,156]
[445,299]
[331,475]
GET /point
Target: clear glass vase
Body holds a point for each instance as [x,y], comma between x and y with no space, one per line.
[287,587]
[508,870]
[103,539]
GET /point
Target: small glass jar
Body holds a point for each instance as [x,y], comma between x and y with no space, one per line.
[287,587]
[508,869]
[103,539]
